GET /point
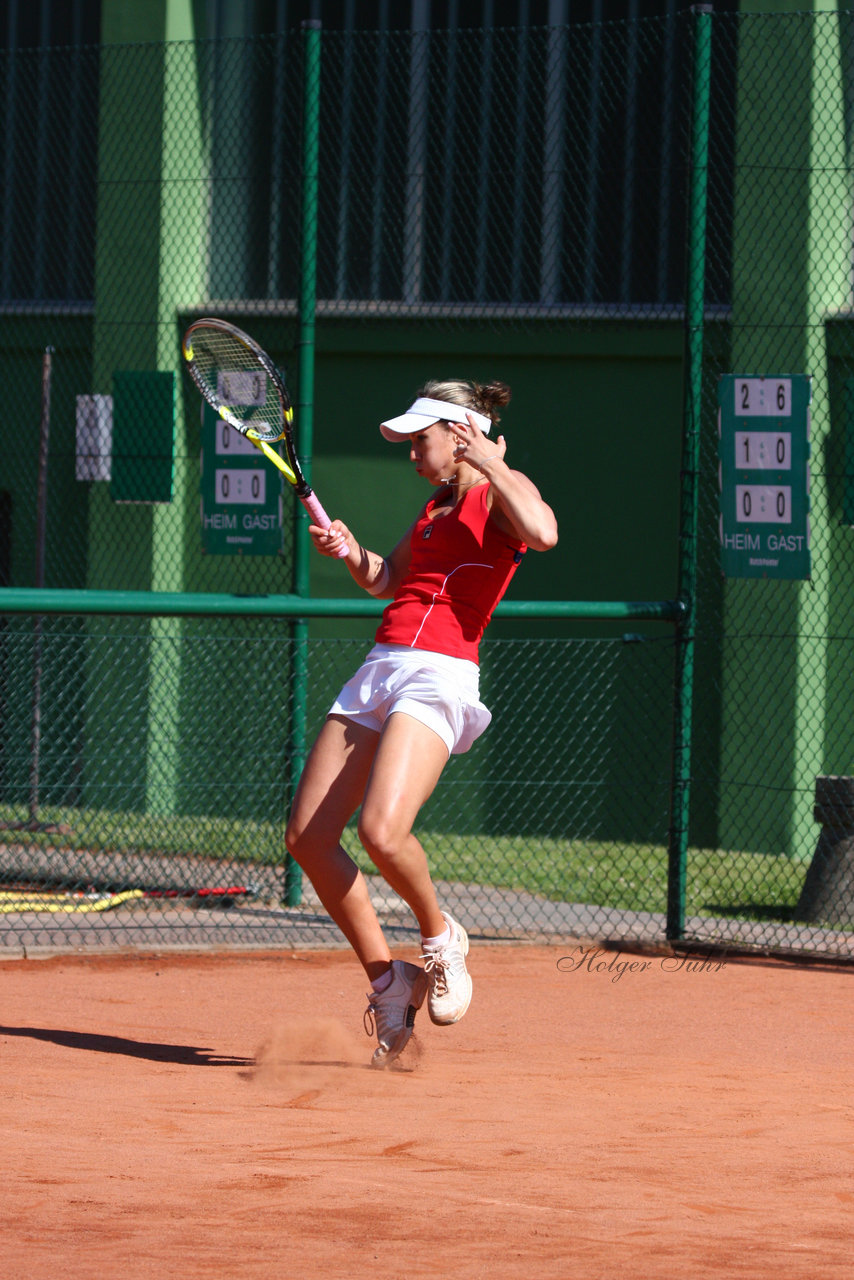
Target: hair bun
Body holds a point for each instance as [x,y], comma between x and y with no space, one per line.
[491,397]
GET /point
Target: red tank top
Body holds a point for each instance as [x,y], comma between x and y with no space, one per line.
[461,566]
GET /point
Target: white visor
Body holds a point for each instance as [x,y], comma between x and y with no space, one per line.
[424,412]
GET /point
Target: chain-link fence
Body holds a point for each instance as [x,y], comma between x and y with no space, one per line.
[477,190]
[562,832]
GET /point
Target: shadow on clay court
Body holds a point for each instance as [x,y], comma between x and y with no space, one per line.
[181,1054]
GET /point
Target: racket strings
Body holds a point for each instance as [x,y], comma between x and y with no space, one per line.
[235,381]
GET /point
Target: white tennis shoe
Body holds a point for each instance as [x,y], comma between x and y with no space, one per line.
[391,1013]
[450,982]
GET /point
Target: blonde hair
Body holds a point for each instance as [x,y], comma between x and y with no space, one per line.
[487,399]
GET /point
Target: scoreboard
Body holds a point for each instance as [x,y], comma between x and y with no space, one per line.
[241,508]
[764,448]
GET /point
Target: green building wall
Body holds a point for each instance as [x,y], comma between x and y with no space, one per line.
[779,729]
[595,421]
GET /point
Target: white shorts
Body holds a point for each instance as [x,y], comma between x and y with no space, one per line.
[439,691]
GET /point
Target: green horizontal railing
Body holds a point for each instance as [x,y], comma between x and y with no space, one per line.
[211,604]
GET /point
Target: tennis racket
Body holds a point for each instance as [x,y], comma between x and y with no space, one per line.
[239,380]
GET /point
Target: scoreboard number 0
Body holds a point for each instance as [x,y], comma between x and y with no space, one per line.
[763,504]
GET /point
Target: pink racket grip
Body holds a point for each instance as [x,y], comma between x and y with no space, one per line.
[319,516]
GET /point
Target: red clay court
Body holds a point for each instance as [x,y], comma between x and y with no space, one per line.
[595,1115]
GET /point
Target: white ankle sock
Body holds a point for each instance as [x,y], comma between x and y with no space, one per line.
[383,981]
[440,941]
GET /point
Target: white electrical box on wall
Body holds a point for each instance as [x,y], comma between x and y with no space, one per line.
[94,437]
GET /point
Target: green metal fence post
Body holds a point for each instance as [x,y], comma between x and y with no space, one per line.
[311,33]
[311,30]
[692,415]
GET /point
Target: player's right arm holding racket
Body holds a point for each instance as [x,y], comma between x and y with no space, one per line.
[378,575]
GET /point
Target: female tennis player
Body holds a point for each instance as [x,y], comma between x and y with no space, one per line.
[415,702]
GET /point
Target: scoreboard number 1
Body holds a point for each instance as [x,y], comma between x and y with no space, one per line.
[763,450]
